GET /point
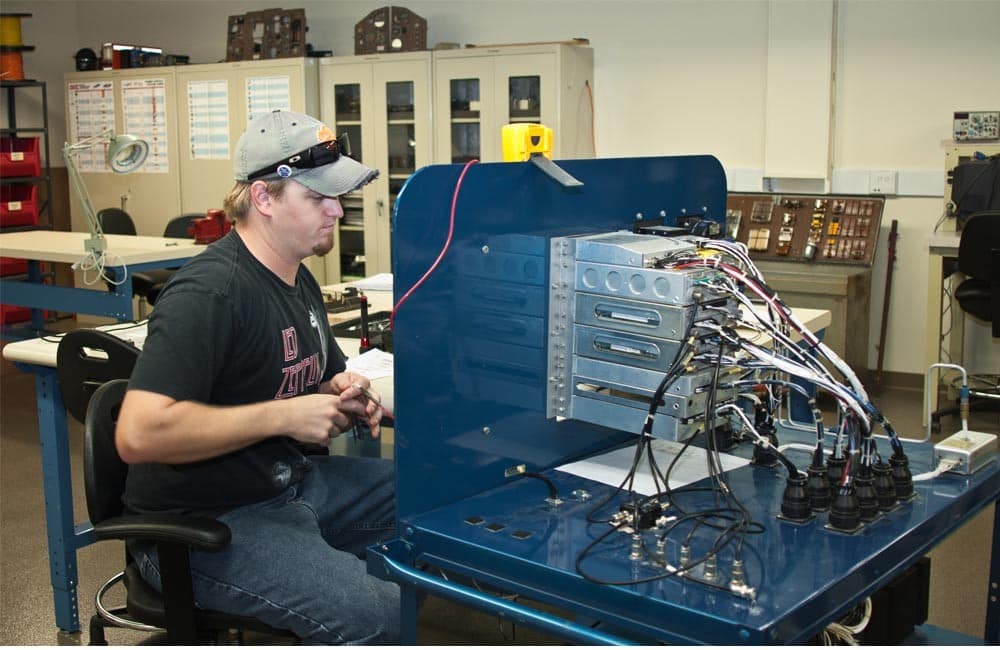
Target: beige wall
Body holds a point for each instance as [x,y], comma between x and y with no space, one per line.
[670,77]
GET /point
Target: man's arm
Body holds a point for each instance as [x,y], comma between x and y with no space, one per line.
[154,428]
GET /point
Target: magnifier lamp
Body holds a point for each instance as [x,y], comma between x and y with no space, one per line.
[126,153]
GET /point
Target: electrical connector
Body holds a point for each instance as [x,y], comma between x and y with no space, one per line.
[795,499]
[902,479]
[641,515]
[969,449]
[845,512]
[818,488]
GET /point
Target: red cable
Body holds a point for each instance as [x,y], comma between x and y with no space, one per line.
[444,249]
[593,127]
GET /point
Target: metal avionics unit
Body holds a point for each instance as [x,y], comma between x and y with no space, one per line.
[390,29]
[616,325]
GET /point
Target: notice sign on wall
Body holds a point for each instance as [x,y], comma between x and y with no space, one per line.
[144,115]
[208,120]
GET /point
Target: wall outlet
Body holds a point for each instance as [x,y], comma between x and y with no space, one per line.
[883,182]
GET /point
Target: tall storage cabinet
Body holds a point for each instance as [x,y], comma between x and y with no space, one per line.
[478,90]
[139,102]
[192,117]
[215,103]
[383,104]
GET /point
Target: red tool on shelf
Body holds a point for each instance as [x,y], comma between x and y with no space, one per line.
[212,226]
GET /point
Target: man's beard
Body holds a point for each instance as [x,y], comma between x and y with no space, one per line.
[322,249]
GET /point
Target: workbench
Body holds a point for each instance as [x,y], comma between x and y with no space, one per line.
[471,393]
[125,255]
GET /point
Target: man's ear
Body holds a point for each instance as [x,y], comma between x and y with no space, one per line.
[261,197]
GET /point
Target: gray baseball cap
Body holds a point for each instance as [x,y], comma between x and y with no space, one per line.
[284,144]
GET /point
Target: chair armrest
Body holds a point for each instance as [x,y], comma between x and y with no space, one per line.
[199,533]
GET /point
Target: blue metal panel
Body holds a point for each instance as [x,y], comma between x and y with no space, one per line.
[470,363]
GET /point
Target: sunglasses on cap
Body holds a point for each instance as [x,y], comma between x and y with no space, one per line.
[317,155]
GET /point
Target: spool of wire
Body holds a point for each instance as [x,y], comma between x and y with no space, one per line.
[11,48]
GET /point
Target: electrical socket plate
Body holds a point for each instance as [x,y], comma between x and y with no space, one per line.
[883,182]
[972,450]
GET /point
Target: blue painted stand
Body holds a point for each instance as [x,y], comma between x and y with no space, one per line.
[470,373]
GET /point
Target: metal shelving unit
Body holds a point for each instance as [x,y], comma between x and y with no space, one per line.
[12,91]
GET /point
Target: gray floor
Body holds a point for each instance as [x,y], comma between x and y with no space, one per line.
[960,565]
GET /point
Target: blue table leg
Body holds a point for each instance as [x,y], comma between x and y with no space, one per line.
[992,634]
[408,615]
[56,477]
[37,315]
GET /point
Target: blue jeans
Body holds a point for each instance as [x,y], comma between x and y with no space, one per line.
[296,562]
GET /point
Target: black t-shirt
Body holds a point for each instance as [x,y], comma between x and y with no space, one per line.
[228,331]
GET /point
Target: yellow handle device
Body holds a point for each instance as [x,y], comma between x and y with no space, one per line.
[522,141]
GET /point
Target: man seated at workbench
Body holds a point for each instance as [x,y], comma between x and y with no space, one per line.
[239,371]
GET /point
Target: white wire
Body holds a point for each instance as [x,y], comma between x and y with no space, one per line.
[860,626]
[943,466]
[99,261]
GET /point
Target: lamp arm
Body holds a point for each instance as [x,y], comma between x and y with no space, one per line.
[96,244]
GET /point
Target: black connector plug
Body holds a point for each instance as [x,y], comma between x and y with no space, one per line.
[845,512]
[902,479]
[835,469]
[765,456]
[885,490]
[867,499]
[818,488]
[795,500]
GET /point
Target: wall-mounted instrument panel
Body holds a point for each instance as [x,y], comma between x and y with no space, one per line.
[806,228]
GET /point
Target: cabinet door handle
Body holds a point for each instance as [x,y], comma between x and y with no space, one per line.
[380,206]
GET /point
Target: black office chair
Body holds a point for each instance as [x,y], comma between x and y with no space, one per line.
[145,609]
[145,284]
[157,278]
[979,296]
[115,221]
[87,358]
[979,261]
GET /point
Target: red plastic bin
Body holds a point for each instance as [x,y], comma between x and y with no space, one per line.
[18,205]
[9,314]
[13,266]
[19,157]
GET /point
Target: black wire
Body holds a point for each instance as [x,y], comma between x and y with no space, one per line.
[553,492]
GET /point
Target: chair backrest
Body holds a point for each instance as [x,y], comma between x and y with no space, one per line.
[980,236]
[86,359]
[104,472]
[178,226]
[115,221]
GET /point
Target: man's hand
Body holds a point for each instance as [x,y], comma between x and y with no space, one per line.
[350,386]
[318,418]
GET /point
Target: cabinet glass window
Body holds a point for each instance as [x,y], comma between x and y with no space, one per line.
[401,134]
[524,98]
[464,141]
[347,106]
[353,133]
[465,98]
[402,149]
[347,98]
[399,100]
